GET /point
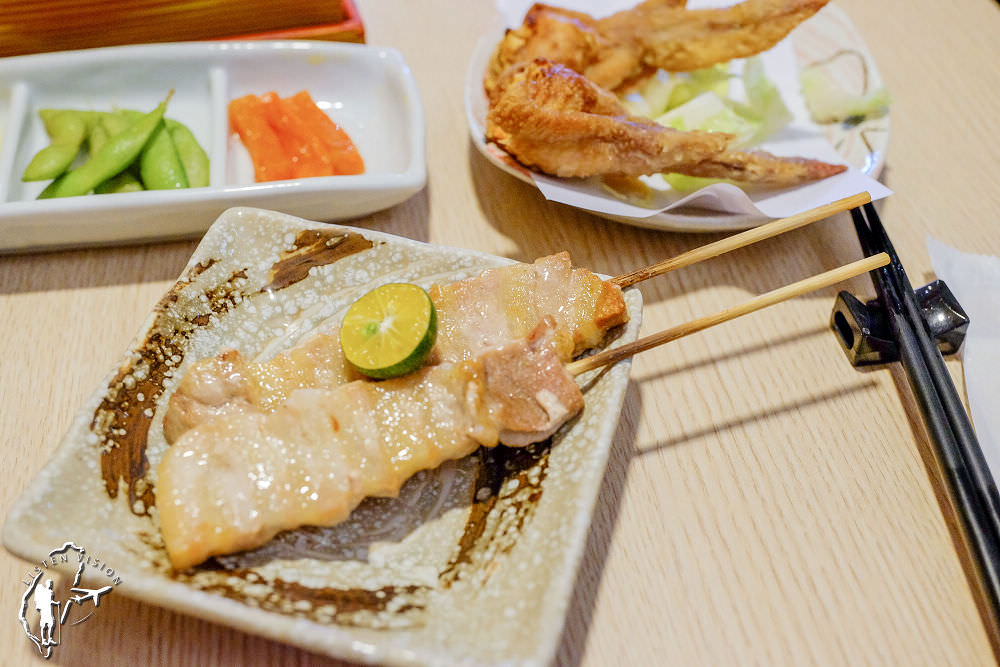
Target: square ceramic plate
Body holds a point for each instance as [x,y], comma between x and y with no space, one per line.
[474,562]
[369,91]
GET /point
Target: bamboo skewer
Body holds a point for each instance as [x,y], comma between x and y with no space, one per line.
[793,290]
[742,239]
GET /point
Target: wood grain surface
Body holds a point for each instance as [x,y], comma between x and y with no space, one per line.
[765,503]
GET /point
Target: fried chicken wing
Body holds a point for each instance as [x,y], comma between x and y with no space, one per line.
[625,47]
[558,121]
[762,168]
[680,40]
[552,118]
[553,33]
[549,85]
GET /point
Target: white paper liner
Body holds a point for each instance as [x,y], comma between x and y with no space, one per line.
[975,282]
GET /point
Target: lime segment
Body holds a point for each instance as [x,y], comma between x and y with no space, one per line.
[389,331]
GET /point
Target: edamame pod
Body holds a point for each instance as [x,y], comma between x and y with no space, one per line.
[193,156]
[67,128]
[116,122]
[113,157]
[98,137]
[123,182]
[160,165]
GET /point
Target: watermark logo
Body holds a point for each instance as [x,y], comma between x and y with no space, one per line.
[44,611]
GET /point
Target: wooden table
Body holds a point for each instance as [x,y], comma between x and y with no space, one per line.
[765,503]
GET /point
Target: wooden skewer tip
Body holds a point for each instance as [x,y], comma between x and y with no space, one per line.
[771,298]
[736,241]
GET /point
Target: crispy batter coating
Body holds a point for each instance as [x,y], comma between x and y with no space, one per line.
[552,118]
[616,51]
[558,121]
[684,40]
[553,33]
[762,168]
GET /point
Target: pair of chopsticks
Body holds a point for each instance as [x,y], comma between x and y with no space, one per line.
[967,474]
[725,245]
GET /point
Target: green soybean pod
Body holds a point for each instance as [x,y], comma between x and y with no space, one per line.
[113,157]
[67,129]
[123,182]
[193,156]
[114,123]
[50,189]
[160,165]
[98,137]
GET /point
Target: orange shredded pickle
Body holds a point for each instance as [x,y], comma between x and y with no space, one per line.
[292,137]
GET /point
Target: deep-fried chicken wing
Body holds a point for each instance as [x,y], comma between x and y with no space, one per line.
[762,168]
[625,47]
[549,84]
[554,119]
[684,40]
[558,121]
[553,33]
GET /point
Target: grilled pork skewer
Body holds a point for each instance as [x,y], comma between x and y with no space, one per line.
[234,482]
[498,306]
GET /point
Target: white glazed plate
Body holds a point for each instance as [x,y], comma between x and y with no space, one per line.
[368,91]
[827,33]
[474,563]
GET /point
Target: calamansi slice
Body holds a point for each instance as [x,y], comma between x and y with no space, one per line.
[389,331]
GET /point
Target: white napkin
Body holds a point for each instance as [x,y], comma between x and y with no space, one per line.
[975,281]
[800,137]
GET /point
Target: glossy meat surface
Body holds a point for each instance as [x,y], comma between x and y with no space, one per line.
[233,482]
[494,308]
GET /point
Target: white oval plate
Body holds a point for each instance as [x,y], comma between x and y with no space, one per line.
[825,34]
[369,91]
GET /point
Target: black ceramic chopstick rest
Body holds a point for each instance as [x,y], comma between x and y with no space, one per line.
[863,328]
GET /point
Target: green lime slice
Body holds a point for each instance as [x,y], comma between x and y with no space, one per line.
[389,331]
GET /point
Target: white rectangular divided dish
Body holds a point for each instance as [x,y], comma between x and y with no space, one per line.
[368,91]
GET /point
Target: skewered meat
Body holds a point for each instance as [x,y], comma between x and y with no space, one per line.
[233,482]
[229,383]
[498,306]
[507,303]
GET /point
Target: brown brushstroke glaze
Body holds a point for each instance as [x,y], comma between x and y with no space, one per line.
[122,420]
[313,247]
[339,604]
[514,480]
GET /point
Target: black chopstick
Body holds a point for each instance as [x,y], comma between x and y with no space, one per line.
[958,418]
[971,484]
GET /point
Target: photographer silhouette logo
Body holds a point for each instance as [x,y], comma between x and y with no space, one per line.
[44,612]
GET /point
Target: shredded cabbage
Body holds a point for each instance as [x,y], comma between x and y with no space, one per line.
[763,114]
[703,100]
[764,102]
[709,112]
[828,101]
[685,183]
